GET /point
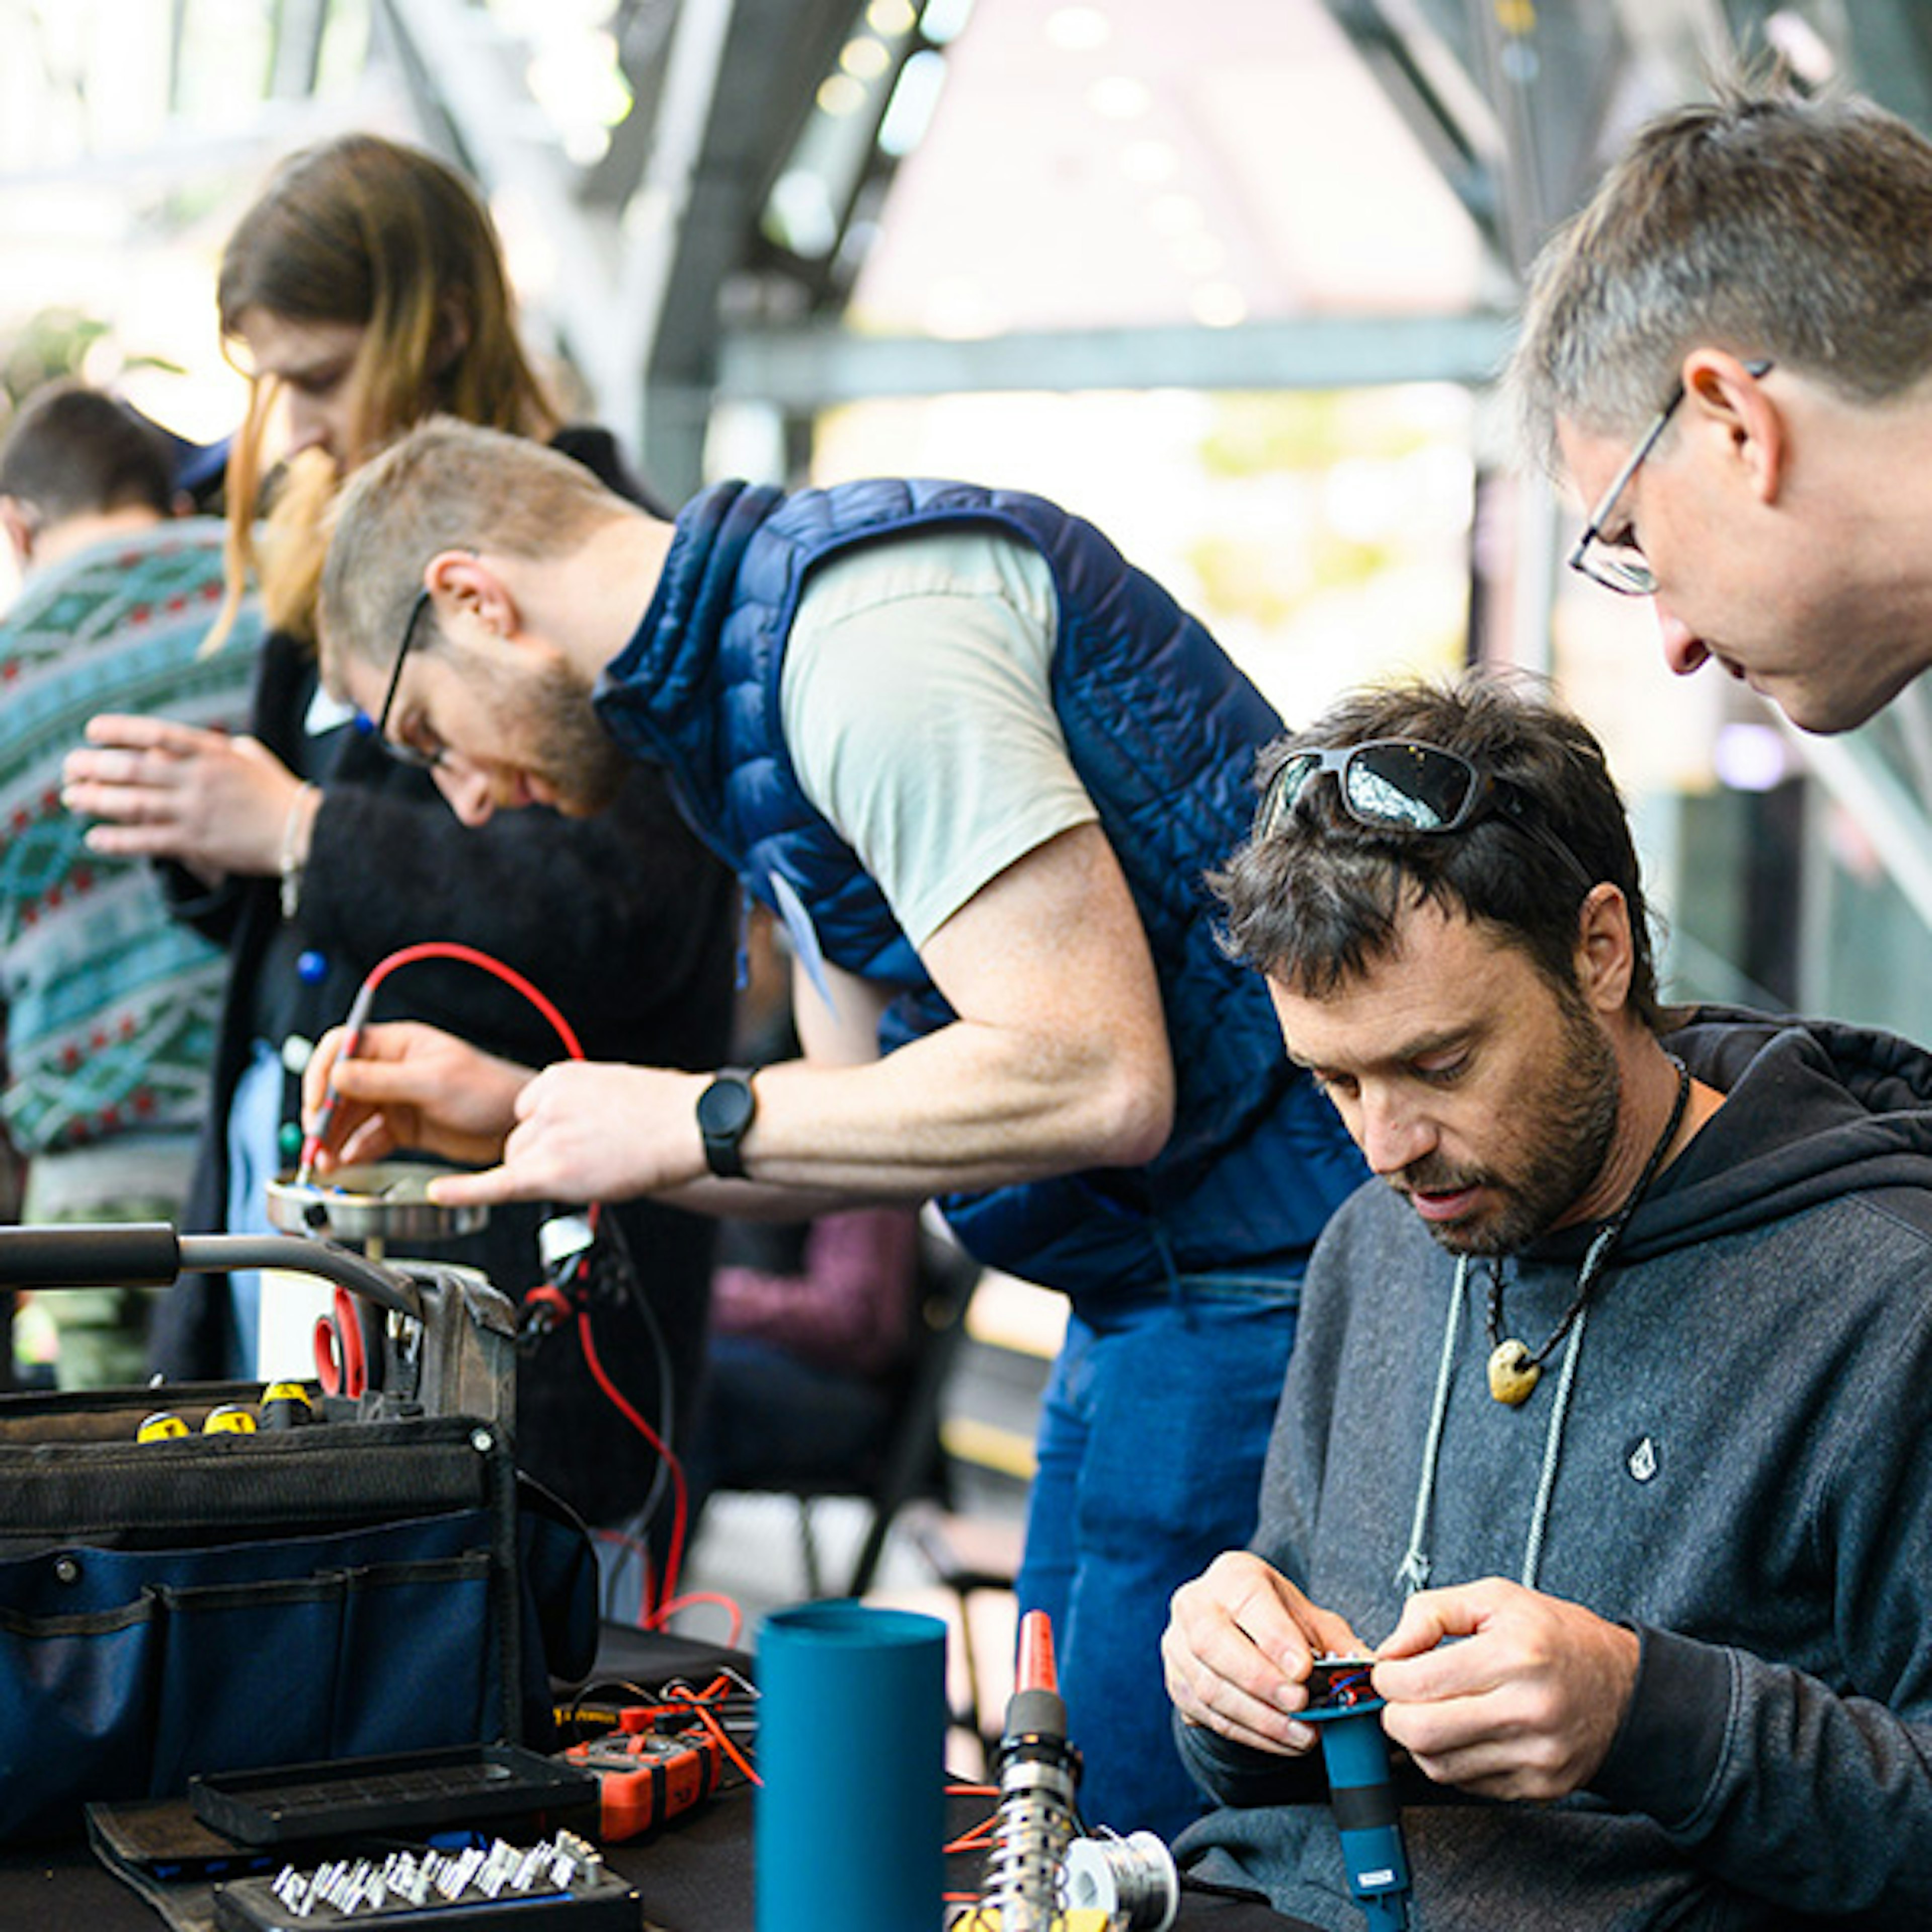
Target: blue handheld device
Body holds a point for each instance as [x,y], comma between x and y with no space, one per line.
[1361,1795]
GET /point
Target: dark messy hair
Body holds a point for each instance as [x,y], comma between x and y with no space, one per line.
[1313,901]
[72,451]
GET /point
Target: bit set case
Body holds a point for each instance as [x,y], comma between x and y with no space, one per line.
[560,1883]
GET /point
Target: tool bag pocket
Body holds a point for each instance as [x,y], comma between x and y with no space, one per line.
[226,1602]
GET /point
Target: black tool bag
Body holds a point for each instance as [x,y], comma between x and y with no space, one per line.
[228,1601]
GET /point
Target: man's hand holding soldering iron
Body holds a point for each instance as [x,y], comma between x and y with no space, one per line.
[406,1084]
[577,1130]
[1525,1705]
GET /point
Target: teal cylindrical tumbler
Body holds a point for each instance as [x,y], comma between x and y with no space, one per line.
[850,1817]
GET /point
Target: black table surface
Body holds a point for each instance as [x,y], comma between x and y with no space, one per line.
[692,1875]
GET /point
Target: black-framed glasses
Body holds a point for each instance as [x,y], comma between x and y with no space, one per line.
[1616,563]
[402,751]
[1403,784]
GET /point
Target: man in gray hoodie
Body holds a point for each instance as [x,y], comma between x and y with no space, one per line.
[1606,1422]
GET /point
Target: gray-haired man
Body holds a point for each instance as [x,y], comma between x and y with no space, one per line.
[1728,352]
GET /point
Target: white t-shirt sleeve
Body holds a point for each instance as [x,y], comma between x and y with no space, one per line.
[918,710]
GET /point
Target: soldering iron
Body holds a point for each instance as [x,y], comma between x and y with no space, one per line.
[1039,1769]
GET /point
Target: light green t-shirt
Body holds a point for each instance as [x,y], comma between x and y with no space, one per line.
[918,709]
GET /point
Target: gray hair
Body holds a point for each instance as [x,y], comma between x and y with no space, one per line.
[1761,223]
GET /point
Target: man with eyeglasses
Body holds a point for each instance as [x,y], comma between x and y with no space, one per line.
[977,765]
[1605,1423]
[1729,353]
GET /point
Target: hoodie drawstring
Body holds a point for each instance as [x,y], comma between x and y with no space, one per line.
[1412,1574]
[1552,1450]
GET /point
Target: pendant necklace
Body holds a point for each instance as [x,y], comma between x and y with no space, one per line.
[1513,1371]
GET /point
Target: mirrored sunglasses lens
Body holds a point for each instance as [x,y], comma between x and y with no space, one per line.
[1408,785]
[1284,789]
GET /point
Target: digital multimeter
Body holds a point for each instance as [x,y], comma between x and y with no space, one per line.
[646,1777]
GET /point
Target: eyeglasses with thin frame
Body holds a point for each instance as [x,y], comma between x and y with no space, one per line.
[1402,784]
[1616,563]
[400,749]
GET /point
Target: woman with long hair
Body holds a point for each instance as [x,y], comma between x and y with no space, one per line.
[364,290]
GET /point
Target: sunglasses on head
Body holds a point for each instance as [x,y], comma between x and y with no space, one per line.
[1399,785]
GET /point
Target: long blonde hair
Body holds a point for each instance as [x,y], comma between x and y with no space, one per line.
[367,232]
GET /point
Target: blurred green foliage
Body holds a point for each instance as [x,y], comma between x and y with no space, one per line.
[58,342]
[1253,434]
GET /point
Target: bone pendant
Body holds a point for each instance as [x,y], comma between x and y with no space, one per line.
[1512,1374]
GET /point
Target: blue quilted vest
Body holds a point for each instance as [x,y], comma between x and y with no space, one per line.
[1162,730]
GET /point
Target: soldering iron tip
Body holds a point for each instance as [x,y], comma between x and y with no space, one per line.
[1037,1670]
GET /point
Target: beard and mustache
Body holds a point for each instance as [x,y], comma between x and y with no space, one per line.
[547,713]
[1572,1120]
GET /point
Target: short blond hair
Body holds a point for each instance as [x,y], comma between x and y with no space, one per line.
[446,485]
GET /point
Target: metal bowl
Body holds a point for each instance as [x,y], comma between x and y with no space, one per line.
[384,1201]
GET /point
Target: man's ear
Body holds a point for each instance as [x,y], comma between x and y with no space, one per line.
[1605,952]
[464,586]
[1727,401]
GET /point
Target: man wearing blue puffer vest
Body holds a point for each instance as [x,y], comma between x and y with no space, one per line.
[978,765]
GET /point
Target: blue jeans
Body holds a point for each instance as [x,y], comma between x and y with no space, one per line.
[1153,1430]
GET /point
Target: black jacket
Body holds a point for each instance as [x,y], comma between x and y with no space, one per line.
[625,921]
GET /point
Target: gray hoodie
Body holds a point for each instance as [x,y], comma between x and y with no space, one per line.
[1741,1471]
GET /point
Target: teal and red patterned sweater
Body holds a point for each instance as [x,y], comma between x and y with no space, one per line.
[110,1004]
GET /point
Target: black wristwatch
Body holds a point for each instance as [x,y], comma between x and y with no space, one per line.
[725,1111]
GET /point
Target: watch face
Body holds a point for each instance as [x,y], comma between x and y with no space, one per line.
[724,1108]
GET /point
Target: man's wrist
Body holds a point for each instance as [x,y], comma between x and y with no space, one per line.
[1670,1739]
[726,1108]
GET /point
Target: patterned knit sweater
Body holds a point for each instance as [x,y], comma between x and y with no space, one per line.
[110,1004]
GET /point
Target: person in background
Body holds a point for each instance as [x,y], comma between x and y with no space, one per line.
[365,289]
[811,1321]
[12,1187]
[1729,353]
[978,764]
[1605,1425]
[111,1006]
